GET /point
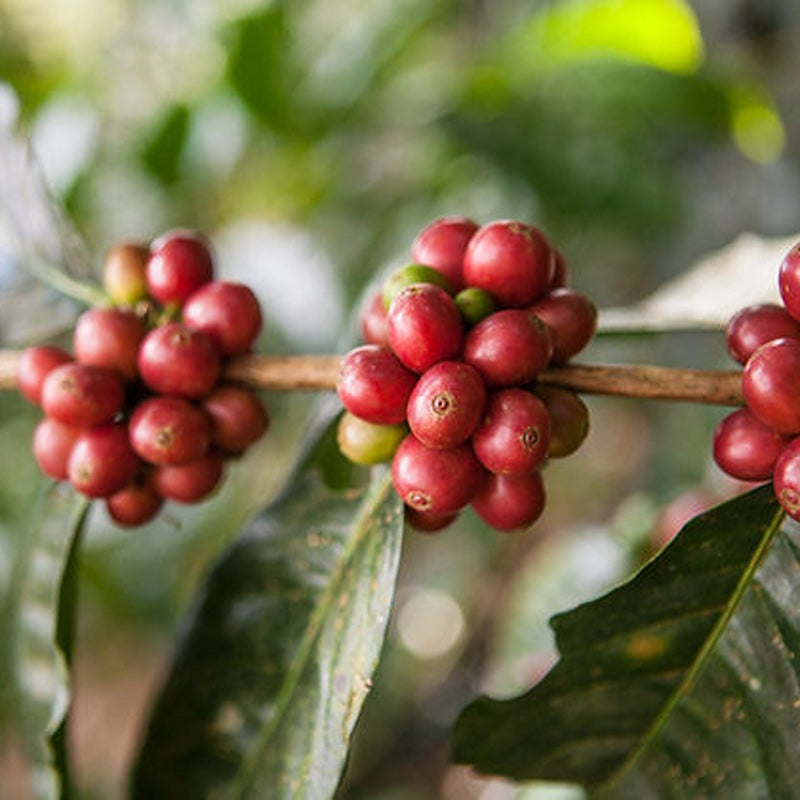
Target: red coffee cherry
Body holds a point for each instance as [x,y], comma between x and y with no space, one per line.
[238,417]
[745,448]
[228,312]
[82,396]
[134,505]
[771,385]
[125,272]
[514,435]
[34,365]
[435,481]
[180,263]
[512,261]
[373,321]
[52,445]
[786,479]
[560,271]
[789,281]
[510,502]
[109,337]
[510,347]
[174,359]
[374,385]
[755,325]
[446,404]
[442,245]
[426,522]
[569,419]
[572,319]
[424,326]
[363,442]
[191,482]
[102,461]
[169,430]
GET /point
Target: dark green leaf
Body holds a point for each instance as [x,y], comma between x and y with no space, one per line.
[33,668]
[161,154]
[682,682]
[270,678]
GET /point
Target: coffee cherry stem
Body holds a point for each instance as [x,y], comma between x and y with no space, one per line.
[85,293]
[319,372]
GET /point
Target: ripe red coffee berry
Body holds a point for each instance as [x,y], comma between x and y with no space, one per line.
[109,337]
[745,448]
[442,245]
[373,321]
[511,502]
[510,347]
[426,522]
[512,261]
[180,263]
[52,445]
[228,312]
[435,481]
[238,417]
[174,359]
[125,272]
[786,479]
[191,482]
[771,385]
[560,271]
[134,505]
[34,365]
[752,326]
[81,396]
[102,461]
[424,326]
[514,436]
[446,404]
[374,385]
[572,319]
[789,281]
[169,430]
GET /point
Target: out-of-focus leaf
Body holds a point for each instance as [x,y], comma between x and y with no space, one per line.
[161,154]
[39,249]
[270,677]
[33,670]
[682,682]
[710,292]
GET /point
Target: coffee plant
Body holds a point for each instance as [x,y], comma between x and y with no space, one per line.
[680,682]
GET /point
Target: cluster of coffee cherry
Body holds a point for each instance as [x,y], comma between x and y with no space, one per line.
[139,412]
[445,386]
[761,440]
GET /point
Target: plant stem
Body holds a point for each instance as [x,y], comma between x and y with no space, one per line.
[314,373]
[715,387]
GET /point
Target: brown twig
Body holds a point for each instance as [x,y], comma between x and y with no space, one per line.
[314,373]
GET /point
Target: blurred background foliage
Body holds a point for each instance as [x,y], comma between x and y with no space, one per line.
[311,141]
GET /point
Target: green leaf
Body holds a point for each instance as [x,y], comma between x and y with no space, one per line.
[33,668]
[681,682]
[270,677]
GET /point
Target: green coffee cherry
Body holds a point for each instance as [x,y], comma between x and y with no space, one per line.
[413,273]
[365,443]
[475,304]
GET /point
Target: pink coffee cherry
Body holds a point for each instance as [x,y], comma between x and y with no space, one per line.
[752,326]
[511,260]
[424,326]
[442,244]
[190,482]
[514,436]
[511,502]
[109,337]
[438,482]
[771,385]
[169,430]
[102,460]
[34,365]
[571,318]
[135,504]
[789,281]
[180,263]
[446,404]
[81,395]
[510,347]
[745,448]
[374,385]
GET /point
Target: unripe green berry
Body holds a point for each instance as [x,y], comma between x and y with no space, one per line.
[366,443]
[475,304]
[408,275]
